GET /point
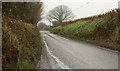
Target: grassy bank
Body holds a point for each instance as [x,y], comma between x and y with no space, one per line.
[21,44]
[102,31]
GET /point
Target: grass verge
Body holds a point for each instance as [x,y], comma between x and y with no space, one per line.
[101,31]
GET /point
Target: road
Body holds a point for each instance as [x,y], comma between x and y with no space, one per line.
[64,53]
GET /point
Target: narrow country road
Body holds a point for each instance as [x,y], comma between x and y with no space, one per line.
[63,53]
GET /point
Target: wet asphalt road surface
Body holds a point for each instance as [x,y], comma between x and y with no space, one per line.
[64,53]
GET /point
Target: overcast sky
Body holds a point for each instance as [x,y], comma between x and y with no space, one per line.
[82,8]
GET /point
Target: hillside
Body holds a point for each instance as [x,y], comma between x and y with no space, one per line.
[101,30]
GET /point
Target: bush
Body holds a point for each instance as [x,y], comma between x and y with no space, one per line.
[21,44]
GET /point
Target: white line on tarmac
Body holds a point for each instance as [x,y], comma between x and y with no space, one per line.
[59,63]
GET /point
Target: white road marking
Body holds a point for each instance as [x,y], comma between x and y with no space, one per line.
[59,63]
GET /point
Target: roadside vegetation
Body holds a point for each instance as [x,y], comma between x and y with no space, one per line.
[43,27]
[0,35]
[102,29]
[21,43]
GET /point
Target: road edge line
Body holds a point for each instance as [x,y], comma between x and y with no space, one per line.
[59,63]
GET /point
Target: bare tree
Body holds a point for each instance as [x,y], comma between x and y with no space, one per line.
[60,14]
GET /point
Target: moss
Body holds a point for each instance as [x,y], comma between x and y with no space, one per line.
[24,64]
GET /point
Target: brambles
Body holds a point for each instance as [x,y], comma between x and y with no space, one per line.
[21,44]
[21,41]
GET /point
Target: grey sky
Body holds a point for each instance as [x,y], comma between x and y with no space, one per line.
[82,8]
